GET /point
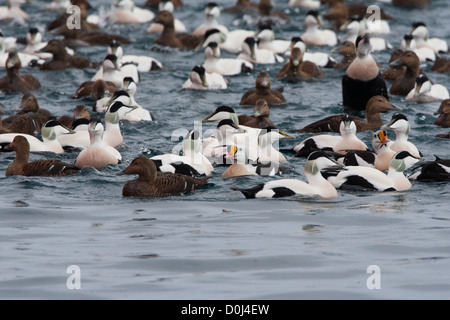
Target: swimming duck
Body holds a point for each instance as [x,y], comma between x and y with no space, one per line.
[13,11]
[259,118]
[313,36]
[399,123]
[29,105]
[15,82]
[169,38]
[362,80]
[437,170]
[355,26]
[349,139]
[35,44]
[267,14]
[126,12]
[112,72]
[242,7]
[50,132]
[212,13]
[81,111]
[444,114]
[393,72]
[305,4]
[58,5]
[374,107]
[155,3]
[424,53]
[62,60]
[366,178]
[297,69]
[113,135]
[199,79]
[317,186]
[158,28]
[230,41]
[421,34]
[138,113]
[441,65]
[224,66]
[403,85]
[24,123]
[412,3]
[80,138]
[262,91]
[151,184]
[94,89]
[266,40]
[253,54]
[321,59]
[97,154]
[348,51]
[322,142]
[425,91]
[8,44]
[43,168]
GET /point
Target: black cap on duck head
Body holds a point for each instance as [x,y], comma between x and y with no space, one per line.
[250,41]
[296,39]
[211,5]
[120,93]
[193,135]
[80,121]
[313,13]
[114,44]
[316,155]
[116,106]
[226,122]
[408,37]
[264,27]
[210,32]
[398,116]
[52,123]
[347,118]
[128,79]
[421,79]
[199,69]
[111,57]
[418,24]
[365,38]
[224,109]
[213,45]
[33,30]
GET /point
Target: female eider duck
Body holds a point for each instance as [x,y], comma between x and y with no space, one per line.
[94,89]
[13,81]
[371,179]
[155,3]
[425,91]
[412,3]
[348,51]
[98,154]
[393,72]
[403,85]
[263,91]
[444,114]
[81,112]
[374,107]
[200,79]
[267,14]
[62,60]
[167,5]
[297,69]
[42,168]
[317,185]
[29,105]
[259,118]
[399,123]
[224,66]
[313,36]
[362,80]
[151,184]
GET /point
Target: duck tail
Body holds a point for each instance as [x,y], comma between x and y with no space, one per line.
[250,193]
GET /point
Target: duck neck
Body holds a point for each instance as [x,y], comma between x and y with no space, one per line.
[112,133]
[13,72]
[61,55]
[374,118]
[168,31]
[147,175]
[412,70]
[22,155]
[400,136]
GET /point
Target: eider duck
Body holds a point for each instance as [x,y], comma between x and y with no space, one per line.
[313,36]
[253,54]
[112,72]
[151,184]
[437,170]
[349,139]
[224,66]
[348,51]
[243,7]
[231,41]
[13,81]
[266,40]
[267,14]
[62,60]
[357,25]
[13,11]
[297,69]
[263,91]
[144,63]
[94,89]
[317,185]
[362,80]
[98,154]
[138,113]
[305,4]
[399,123]
[42,168]
[199,79]
[212,14]
[443,135]
[321,59]
[393,72]
[374,107]
[425,91]
[24,123]
[81,111]
[80,138]
[169,38]
[166,5]
[113,135]
[425,54]
[403,85]
[371,179]
[156,3]
[259,118]
[126,12]
[444,114]
[441,65]
[421,34]
[29,105]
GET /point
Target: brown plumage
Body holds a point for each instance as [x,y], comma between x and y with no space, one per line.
[348,51]
[94,89]
[394,72]
[155,3]
[266,12]
[441,65]
[403,85]
[412,3]
[81,111]
[263,91]
[260,118]
[2,128]
[59,25]
[169,38]
[151,184]
[242,6]
[62,60]
[46,168]
[20,124]
[443,135]
[13,81]
[297,69]
[374,107]
[444,114]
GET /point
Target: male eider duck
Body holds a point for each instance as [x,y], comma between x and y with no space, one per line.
[113,135]
[349,139]
[355,26]
[403,85]
[305,4]
[374,107]
[200,79]
[371,179]
[230,41]
[13,81]
[151,184]
[253,54]
[126,12]
[317,185]
[13,11]
[212,14]
[144,63]
[362,80]
[421,34]
[399,123]
[444,114]
[321,59]
[42,168]
[297,69]
[425,91]
[425,54]
[224,66]
[314,36]
[266,40]
[263,91]
[112,72]
[437,170]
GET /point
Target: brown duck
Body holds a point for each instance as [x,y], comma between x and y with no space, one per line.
[263,91]
[297,69]
[348,51]
[441,65]
[151,184]
[81,111]
[169,38]
[13,81]
[412,3]
[374,107]
[20,124]
[394,72]
[155,3]
[242,6]
[94,89]
[260,118]
[403,85]
[266,12]
[45,168]
[444,114]
[62,60]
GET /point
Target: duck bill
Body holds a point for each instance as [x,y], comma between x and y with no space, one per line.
[382,136]
[396,63]
[209,116]
[286,135]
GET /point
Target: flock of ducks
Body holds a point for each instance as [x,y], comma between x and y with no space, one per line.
[244,143]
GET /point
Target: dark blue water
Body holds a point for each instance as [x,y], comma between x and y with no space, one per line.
[213,243]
